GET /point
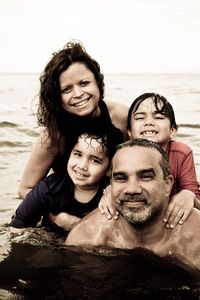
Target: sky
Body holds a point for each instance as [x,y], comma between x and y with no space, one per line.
[126,36]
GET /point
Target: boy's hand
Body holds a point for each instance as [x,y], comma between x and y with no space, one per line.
[105,205]
[179,208]
[64,220]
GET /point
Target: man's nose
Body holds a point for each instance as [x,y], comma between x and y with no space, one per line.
[133,186]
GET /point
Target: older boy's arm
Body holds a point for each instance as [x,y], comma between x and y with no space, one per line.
[179,208]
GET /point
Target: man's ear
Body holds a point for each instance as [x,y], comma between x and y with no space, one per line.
[169,184]
[129,133]
[173,133]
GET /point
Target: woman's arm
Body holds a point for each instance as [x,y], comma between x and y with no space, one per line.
[37,167]
[118,114]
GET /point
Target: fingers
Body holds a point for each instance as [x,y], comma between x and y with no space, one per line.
[178,216]
[174,218]
[106,208]
[108,211]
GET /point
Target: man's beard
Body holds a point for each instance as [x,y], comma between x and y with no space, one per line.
[137,215]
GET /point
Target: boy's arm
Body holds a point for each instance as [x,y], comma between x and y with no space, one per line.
[105,205]
[64,220]
[31,208]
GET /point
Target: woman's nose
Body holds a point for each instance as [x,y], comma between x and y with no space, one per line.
[77,92]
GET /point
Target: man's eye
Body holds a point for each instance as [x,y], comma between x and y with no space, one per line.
[119,178]
[147,177]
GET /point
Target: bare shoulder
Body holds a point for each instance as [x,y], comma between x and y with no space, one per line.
[118,113]
[191,227]
[85,232]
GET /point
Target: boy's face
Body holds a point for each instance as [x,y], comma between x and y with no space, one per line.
[88,163]
[147,123]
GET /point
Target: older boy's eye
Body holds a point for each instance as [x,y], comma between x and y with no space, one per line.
[159,116]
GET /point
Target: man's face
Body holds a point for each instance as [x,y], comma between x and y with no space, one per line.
[139,191]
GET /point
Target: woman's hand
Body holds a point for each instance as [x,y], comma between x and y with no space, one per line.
[64,220]
[179,208]
[106,206]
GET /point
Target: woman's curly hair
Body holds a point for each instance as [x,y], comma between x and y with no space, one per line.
[51,114]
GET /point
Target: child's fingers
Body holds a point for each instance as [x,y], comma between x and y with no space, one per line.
[168,213]
[175,217]
[184,217]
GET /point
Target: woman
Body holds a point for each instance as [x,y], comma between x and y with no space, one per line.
[71,97]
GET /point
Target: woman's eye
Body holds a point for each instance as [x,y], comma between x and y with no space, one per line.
[66,90]
[84,83]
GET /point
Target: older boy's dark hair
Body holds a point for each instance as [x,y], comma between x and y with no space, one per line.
[161,104]
[149,144]
[50,112]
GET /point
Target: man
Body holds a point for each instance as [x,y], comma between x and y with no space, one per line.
[140,185]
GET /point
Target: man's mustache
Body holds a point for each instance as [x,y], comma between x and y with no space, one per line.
[133,198]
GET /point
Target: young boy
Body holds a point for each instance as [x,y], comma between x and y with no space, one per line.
[76,192]
[152,117]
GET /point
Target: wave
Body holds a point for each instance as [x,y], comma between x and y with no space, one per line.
[29,132]
[190,125]
[8,124]
[14,144]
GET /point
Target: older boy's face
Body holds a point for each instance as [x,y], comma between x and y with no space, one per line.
[139,191]
[147,123]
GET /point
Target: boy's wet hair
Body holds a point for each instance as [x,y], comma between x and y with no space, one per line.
[162,106]
[107,137]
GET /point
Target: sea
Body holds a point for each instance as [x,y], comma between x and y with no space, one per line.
[32,269]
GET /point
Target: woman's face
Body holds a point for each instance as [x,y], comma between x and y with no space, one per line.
[79,90]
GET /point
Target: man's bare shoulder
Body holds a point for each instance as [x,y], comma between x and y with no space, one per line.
[190,229]
[86,231]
